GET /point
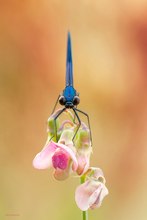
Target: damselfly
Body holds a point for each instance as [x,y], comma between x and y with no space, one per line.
[69,98]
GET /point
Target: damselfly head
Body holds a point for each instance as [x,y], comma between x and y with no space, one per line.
[69,102]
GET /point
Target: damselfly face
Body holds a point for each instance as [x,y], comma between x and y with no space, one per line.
[69,98]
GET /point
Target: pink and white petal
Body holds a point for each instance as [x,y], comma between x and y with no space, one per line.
[71,153]
[98,173]
[65,123]
[83,163]
[101,194]
[94,199]
[43,159]
[82,195]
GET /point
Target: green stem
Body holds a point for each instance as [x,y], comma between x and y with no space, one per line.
[84,213]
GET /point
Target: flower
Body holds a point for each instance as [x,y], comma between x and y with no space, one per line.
[91,193]
[58,156]
[62,155]
[84,149]
[66,155]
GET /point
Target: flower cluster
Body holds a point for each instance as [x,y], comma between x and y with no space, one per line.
[67,156]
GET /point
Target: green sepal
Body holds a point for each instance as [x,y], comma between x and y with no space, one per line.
[51,131]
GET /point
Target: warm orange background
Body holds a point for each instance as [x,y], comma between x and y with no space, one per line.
[109,41]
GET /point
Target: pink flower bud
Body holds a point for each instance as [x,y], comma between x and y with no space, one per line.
[84,149]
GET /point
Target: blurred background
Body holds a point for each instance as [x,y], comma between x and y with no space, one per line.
[109,40]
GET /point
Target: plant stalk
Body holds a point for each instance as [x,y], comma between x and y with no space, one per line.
[84,213]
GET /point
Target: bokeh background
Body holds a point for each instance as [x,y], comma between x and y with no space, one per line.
[109,41]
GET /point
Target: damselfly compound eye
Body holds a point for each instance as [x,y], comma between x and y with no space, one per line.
[62,100]
[76,100]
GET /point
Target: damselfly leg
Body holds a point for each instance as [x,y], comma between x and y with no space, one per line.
[84,113]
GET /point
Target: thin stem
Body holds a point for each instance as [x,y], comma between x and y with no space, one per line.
[84,213]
